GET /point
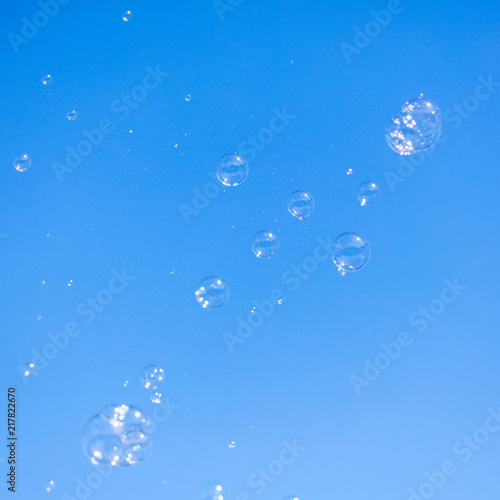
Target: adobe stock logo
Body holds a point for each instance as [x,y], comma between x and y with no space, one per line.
[363,37]
[40,19]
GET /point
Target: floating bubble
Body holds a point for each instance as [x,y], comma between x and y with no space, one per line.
[137,446]
[28,369]
[368,193]
[211,491]
[127,16]
[350,252]
[72,115]
[265,244]
[232,444]
[188,97]
[156,397]
[349,171]
[300,204]
[107,438]
[47,79]
[415,127]
[152,377]
[50,486]
[22,162]
[291,497]
[232,170]
[212,293]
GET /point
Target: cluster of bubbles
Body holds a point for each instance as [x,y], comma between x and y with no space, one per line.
[415,127]
[152,379]
[118,435]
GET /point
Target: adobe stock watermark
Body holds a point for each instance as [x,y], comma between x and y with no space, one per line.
[293,279]
[223,6]
[88,311]
[264,476]
[464,450]
[249,149]
[363,37]
[40,19]
[85,487]
[120,107]
[420,320]
[455,116]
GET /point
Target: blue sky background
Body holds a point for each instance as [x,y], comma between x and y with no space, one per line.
[120,209]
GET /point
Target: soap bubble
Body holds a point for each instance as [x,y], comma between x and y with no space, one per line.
[300,204]
[152,377]
[211,491]
[232,169]
[50,486]
[72,115]
[22,162]
[350,252]
[127,16]
[156,397]
[212,293]
[415,127]
[265,244]
[188,97]
[137,446]
[368,193]
[107,437]
[47,79]
[349,171]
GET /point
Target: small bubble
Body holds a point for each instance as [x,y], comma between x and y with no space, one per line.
[212,293]
[232,170]
[127,16]
[126,383]
[156,397]
[232,444]
[300,204]
[72,115]
[50,486]
[211,491]
[188,97]
[349,171]
[265,244]
[47,80]
[152,377]
[22,162]
[172,271]
[368,194]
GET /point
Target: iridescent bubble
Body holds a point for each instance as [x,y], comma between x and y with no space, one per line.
[265,244]
[415,127]
[137,446]
[47,79]
[72,115]
[368,194]
[127,16]
[212,293]
[152,377]
[22,162]
[107,439]
[156,397]
[350,252]
[211,491]
[232,169]
[300,204]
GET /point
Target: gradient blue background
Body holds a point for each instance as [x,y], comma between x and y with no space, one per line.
[119,209]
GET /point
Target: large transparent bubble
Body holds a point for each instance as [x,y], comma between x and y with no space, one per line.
[265,244]
[232,169]
[415,127]
[212,293]
[350,253]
